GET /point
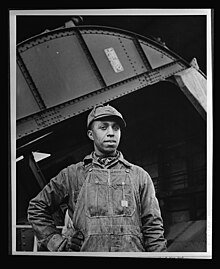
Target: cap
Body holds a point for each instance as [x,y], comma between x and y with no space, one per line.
[101,111]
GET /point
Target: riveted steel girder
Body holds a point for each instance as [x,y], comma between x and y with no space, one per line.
[65,72]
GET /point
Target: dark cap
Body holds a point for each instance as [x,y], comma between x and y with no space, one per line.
[101,111]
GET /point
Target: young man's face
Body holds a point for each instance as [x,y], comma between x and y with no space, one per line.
[106,136]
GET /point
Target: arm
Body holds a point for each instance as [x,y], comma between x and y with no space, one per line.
[42,207]
[152,223]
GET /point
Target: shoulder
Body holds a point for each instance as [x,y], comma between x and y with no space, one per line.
[73,168]
[72,174]
[139,170]
[135,169]
[69,171]
[141,176]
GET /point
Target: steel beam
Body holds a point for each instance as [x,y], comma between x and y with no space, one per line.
[142,54]
[47,117]
[36,171]
[30,83]
[90,58]
[74,107]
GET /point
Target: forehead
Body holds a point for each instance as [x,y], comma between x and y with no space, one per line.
[106,122]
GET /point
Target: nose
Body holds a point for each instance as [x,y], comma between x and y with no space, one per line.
[110,131]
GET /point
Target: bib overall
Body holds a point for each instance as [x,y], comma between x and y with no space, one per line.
[107,212]
[114,209]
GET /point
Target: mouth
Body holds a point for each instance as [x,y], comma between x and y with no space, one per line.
[110,141]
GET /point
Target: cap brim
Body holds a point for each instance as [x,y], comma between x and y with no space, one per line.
[120,121]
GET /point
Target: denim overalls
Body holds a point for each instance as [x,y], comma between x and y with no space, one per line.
[106,212]
[116,208]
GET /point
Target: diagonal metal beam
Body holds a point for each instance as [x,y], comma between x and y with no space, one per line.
[142,54]
[36,171]
[90,58]
[64,111]
[30,82]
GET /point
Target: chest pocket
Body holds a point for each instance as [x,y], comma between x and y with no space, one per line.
[97,193]
[123,200]
[109,193]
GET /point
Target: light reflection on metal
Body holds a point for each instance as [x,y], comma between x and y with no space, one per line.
[38,156]
[34,140]
[19,158]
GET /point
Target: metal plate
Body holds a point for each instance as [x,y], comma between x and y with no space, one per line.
[155,56]
[60,70]
[125,50]
[113,59]
[25,102]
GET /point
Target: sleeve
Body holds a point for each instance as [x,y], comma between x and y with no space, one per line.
[152,223]
[42,207]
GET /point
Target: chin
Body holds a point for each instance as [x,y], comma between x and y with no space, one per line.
[110,150]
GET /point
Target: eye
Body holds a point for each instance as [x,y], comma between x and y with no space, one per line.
[103,127]
[116,127]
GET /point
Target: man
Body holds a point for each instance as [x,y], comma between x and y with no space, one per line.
[111,203]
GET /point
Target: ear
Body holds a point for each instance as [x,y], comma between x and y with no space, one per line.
[90,134]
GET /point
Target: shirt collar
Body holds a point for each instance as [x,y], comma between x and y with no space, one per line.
[91,158]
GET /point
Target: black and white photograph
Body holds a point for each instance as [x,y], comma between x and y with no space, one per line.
[111,132]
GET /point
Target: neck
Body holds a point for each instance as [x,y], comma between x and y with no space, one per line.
[105,155]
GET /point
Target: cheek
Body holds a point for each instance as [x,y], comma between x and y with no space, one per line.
[118,135]
[98,137]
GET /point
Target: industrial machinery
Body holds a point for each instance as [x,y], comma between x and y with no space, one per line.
[61,74]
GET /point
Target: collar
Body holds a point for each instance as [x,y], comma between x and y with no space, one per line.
[92,158]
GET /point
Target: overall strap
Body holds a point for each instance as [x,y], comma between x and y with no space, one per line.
[81,178]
